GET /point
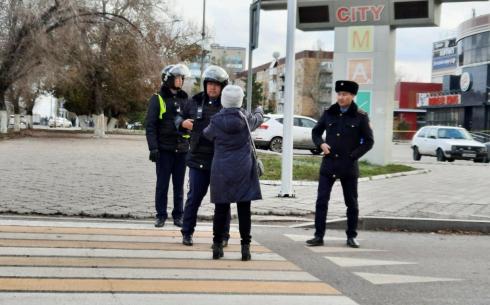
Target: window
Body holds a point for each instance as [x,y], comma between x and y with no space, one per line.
[422,133]
[433,133]
[308,123]
[296,122]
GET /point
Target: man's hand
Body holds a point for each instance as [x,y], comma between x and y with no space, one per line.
[325,148]
[188,124]
[154,155]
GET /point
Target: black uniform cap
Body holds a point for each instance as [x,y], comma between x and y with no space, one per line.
[347,86]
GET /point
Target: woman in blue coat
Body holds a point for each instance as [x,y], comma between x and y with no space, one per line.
[233,174]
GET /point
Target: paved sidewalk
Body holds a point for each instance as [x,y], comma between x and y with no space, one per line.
[112,177]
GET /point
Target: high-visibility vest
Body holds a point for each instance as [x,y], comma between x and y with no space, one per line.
[163,106]
[163,109]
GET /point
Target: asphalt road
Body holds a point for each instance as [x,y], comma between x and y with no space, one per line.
[393,268]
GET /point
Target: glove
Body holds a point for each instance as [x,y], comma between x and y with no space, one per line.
[154,155]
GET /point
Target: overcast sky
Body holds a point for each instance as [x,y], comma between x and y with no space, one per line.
[228,22]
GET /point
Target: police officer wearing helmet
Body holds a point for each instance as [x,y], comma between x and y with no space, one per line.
[348,137]
[196,116]
[167,144]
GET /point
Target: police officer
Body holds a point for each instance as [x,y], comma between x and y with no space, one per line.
[168,146]
[348,137]
[196,116]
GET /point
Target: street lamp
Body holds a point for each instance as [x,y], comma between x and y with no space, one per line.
[203,35]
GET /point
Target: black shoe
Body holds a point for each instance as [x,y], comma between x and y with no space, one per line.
[218,251]
[246,256]
[352,242]
[225,242]
[187,240]
[315,241]
[178,222]
[159,222]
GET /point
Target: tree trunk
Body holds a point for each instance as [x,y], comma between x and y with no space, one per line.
[100,123]
[3,113]
[112,124]
[17,122]
[29,121]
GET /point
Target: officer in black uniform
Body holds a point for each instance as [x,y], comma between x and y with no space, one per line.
[168,146]
[348,137]
[196,116]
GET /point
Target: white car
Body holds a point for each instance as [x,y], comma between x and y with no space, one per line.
[447,143]
[59,122]
[269,133]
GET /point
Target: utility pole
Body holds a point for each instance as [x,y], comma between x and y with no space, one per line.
[203,35]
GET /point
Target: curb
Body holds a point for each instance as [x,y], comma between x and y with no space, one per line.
[378,177]
[371,223]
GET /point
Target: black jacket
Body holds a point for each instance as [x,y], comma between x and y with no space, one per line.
[200,109]
[349,136]
[162,134]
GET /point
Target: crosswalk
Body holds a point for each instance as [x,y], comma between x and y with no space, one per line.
[77,262]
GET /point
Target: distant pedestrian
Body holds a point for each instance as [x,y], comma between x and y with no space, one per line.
[348,137]
[234,177]
[167,144]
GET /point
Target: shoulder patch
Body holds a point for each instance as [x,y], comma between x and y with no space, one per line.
[359,110]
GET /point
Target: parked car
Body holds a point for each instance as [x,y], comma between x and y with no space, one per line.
[447,143]
[59,122]
[269,133]
[22,123]
[135,125]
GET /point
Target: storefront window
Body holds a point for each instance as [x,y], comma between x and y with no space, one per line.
[447,116]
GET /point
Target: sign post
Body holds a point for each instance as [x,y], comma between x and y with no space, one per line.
[253,43]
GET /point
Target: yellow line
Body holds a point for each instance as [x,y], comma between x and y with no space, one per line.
[118,245]
[101,262]
[165,286]
[103,231]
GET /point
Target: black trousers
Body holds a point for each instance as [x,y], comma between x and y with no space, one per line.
[349,188]
[221,212]
[198,187]
[170,164]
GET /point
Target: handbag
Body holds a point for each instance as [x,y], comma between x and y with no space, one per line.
[259,166]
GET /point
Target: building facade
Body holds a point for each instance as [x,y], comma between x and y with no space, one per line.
[465,96]
[313,82]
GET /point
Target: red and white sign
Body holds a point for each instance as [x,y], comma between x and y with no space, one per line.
[362,13]
[425,99]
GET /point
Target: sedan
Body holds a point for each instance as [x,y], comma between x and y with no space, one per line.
[269,133]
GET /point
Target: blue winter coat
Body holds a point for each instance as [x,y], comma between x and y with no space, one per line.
[233,174]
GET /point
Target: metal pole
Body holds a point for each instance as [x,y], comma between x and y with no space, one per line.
[287,144]
[250,53]
[203,35]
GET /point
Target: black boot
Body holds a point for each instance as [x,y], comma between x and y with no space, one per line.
[218,250]
[246,256]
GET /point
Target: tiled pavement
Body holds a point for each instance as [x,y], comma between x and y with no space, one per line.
[112,177]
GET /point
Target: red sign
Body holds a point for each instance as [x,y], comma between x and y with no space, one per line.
[444,100]
[359,13]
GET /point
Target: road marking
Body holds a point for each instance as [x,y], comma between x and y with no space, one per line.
[124,262]
[304,238]
[360,262]
[167,286]
[343,249]
[129,253]
[382,279]
[133,264]
[104,231]
[146,273]
[122,238]
[170,299]
[35,243]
